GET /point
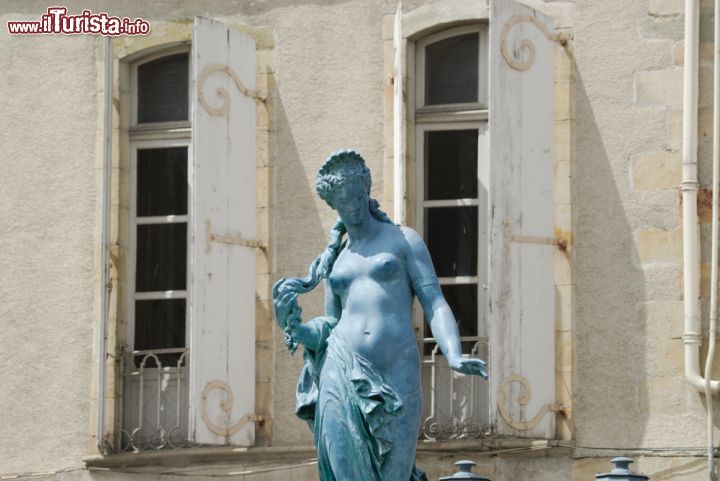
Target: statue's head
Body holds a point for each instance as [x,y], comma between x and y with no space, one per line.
[339,168]
[344,183]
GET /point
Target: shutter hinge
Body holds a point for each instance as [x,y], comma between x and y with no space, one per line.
[236,240]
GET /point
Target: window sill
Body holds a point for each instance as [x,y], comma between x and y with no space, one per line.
[187,456]
[497,446]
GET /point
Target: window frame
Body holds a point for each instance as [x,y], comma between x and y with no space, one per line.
[453,117]
[135,127]
[463,111]
[148,136]
[133,223]
[482,276]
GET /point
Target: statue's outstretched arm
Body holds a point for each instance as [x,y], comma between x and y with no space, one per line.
[437,311]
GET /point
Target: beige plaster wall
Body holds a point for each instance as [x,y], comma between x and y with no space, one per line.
[49,192]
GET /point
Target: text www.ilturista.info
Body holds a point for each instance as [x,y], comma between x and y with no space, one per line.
[57,21]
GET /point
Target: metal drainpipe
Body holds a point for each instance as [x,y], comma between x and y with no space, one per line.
[714,249]
[689,187]
[105,268]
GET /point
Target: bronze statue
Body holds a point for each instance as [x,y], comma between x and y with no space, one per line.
[360,388]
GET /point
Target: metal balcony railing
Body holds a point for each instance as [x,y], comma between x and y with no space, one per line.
[455,406]
[155,407]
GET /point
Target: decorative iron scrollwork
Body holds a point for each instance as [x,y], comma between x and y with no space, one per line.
[524,45]
[523,399]
[226,407]
[220,91]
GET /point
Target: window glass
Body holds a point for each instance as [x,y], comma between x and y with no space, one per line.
[161,257]
[160,324]
[451,164]
[162,181]
[163,89]
[451,234]
[451,70]
[463,301]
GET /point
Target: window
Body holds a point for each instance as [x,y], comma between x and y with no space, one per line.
[189,330]
[452,192]
[481,135]
[156,378]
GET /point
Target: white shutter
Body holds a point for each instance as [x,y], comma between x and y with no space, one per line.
[522,319]
[222,342]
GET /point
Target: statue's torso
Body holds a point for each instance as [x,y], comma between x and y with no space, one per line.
[371,280]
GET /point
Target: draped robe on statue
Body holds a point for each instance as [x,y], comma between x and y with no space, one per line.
[338,392]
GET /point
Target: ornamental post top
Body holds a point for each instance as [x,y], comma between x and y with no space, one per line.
[621,472]
[465,468]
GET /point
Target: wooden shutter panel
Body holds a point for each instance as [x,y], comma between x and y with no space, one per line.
[522,319]
[222,344]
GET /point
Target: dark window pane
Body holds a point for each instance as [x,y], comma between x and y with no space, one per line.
[162,181]
[463,301]
[451,234]
[163,89]
[159,324]
[451,70]
[451,164]
[161,257]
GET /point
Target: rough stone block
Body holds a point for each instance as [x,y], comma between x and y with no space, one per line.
[261,114]
[563,223]
[263,220]
[705,273]
[263,286]
[563,64]
[263,362]
[675,126]
[563,351]
[262,148]
[656,170]
[667,7]
[659,87]
[658,245]
[263,180]
[563,185]
[661,28]
[263,397]
[563,268]
[563,308]
[706,52]
[563,141]
[263,320]
[562,101]
[265,60]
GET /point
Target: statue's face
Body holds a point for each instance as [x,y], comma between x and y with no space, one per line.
[351,203]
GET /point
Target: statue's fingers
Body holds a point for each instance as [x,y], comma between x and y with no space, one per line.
[479,362]
[476,367]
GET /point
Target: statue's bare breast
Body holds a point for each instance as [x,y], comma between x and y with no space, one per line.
[374,290]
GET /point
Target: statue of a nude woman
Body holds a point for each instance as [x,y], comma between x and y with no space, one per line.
[360,388]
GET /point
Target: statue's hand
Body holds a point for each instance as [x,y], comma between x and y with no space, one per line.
[285,302]
[472,366]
